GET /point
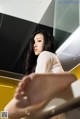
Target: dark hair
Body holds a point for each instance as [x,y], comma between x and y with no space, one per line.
[31,57]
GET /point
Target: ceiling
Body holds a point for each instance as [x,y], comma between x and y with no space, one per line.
[37,1]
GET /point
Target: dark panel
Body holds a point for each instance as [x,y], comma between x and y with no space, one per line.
[20,65]
[60,37]
[12,40]
[40,26]
[14,37]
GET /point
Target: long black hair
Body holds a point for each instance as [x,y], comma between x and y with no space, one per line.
[31,57]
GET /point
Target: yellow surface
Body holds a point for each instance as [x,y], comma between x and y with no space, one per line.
[7,88]
[76,71]
[8,85]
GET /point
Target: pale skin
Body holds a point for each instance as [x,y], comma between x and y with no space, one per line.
[30,95]
[38,44]
[21,106]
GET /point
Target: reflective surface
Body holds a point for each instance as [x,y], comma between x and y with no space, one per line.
[66,15]
[66,19]
[69,52]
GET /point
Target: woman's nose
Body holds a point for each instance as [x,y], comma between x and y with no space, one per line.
[35,44]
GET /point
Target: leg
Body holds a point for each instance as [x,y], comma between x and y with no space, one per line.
[39,88]
[43,86]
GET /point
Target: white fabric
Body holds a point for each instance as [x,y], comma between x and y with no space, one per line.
[48,62]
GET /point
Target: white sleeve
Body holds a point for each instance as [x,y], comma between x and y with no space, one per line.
[44,62]
[48,62]
[57,68]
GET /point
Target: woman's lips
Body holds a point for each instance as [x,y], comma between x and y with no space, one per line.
[35,49]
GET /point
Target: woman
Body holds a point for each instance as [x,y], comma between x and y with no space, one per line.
[40,41]
[40,59]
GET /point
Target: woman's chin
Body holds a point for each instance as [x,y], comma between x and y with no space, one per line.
[37,54]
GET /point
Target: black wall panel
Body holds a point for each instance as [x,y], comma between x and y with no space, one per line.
[14,37]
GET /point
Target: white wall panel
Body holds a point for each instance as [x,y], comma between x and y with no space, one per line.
[31,10]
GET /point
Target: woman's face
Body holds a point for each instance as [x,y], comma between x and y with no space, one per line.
[38,43]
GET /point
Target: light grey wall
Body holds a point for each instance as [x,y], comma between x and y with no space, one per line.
[48,16]
[32,10]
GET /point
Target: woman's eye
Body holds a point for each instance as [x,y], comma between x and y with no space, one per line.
[39,40]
